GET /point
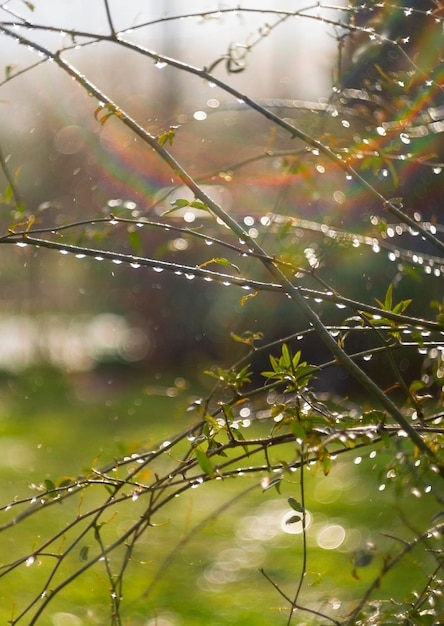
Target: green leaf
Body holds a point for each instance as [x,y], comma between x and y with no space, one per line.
[385,437]
[296,359]
[286,359]
[168,136]
[298,430]
[325,460]
[293,519]
[238,435]
[65,482]
[248,337]
[204,462]
[84,553]
[197,204]
[416,385]
[49,485]
[295,505]
[389,298]
[9,69]
[401,306]
[180,203]
[228,412]
[373,417]
[8,194]
[135,241]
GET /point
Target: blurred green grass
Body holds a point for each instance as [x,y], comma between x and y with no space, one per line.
[53,425]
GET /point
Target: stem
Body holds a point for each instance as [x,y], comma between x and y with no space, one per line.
[304,541]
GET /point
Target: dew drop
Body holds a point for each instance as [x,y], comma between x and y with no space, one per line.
[189,217]
[200,116]
[21,244]
[98,258]
[158,269]
[30,561]
[160,65]
[404,138]
[196,483]
[135,265]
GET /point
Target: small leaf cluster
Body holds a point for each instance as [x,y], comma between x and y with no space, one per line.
[290,370]
[232,378]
